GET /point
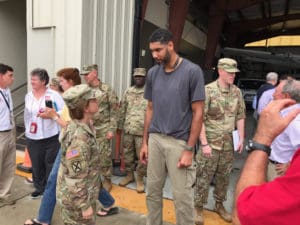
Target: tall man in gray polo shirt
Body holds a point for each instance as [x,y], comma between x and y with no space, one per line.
[174,115]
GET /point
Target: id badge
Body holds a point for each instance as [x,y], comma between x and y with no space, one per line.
[33,127]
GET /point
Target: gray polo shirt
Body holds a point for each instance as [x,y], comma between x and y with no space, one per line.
[171,95]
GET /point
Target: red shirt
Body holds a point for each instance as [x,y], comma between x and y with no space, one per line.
[273,203]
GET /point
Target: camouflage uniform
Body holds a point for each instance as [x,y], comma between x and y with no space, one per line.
[131,121]
[105,120]
[78,179]
[223,108]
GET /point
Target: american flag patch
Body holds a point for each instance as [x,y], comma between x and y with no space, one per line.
[72,153]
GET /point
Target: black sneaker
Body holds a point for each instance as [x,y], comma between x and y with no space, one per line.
[36,194]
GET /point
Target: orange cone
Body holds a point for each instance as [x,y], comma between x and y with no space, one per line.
[26,166]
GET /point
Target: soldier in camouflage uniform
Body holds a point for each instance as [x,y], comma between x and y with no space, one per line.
[78,179]
[105,120]
[131,121]
[224,110]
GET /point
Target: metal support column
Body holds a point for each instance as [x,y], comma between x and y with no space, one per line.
[177,15]
[215,25]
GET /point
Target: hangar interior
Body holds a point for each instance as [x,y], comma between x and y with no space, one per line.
[229,26]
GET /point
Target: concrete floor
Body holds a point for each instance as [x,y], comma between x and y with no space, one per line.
[132,208]
[28,208]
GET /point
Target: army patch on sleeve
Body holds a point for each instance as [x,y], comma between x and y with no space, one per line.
[76,166]
[72,153]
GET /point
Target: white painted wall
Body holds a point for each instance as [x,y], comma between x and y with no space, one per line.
[54,37]
[68,39]
[13,42]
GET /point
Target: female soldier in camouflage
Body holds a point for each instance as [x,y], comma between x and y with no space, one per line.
[78,179]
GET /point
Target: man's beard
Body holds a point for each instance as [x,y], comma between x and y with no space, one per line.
[166,59]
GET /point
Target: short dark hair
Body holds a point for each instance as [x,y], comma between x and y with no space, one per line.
[70,74]
[161,35]
[42,74]
[4,68]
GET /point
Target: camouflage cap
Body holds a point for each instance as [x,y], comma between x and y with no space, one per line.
[54,81]
[88,68]
[139,72]
[81,91]
[228,64]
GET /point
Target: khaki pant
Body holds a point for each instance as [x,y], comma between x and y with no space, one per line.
[7,162]
[163,155]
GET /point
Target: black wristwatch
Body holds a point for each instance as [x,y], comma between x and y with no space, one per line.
[252,145]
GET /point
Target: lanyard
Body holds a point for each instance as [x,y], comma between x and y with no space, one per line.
[5,100]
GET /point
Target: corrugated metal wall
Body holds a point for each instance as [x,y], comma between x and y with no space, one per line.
[107,33]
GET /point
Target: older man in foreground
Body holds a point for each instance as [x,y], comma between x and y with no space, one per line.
[276,202]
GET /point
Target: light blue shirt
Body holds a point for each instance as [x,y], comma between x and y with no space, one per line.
[254,102]
[6,114]
[265,99]
[285,144]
